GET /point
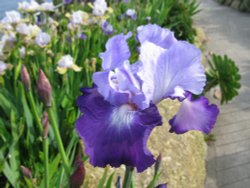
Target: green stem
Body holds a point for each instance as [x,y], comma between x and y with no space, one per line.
[46,160]
[59,140]
[128,177]
[34,111]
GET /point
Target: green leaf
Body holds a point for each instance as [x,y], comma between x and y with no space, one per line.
[103,179]
[110,179]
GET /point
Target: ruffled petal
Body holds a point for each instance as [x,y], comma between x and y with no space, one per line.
[194,115]
[107,87]
[117,51]
[120,86]
[115,135]
[169,73]
[157,35]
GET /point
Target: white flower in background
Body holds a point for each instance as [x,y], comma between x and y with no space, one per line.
[23,29]
[43,39]
[25,6]
[22,51]
[48,7]
[6,27]
[6,44]
[30,31]
[11,17]
[53,26]
[34,30]
[67,62]
[100,7]
[4,67]
[131,13]
[79,17]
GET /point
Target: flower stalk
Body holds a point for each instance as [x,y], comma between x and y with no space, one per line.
[128,177]
[58,139]
[34,111]
[45,93]
[27,85]
[45,122]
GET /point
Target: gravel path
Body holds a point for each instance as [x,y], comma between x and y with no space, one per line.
[228,32]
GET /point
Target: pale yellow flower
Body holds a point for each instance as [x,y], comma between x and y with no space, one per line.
[67,62]
[4,67]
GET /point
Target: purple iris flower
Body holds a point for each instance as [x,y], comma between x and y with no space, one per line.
[82,36]
[107,27]
[161,186]
[131,13]
[68,1]
[120,111]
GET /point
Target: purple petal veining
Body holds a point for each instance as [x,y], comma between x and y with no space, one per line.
[194,115]
[115,135]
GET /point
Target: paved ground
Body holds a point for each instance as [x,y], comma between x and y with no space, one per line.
[228,32]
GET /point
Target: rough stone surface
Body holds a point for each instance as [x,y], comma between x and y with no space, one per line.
[183,156]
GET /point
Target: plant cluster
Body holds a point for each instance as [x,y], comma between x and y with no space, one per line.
[48,52]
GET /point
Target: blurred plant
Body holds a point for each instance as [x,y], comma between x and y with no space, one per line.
[223,72]
[180,19]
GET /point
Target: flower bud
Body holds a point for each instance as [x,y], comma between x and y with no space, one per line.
[77,178]
[158,163]
[45,123]
[25,78]
[26,172]
[44,89]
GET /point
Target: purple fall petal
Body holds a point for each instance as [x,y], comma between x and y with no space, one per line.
[194,115]
[115,135]
[157,35]
[117,51]
[161,186]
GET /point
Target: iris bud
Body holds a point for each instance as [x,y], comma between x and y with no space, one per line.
[44,89]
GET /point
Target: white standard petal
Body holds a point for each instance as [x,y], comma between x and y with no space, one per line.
[100,7]
[168,73]
[66,61]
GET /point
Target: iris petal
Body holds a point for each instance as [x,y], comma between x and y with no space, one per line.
[194,115]
[155,34]
[170,72]
[115,135]
[117,51]
[109,89]
[120,86]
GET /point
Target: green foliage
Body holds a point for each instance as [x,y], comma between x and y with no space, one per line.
[223,72]
[180,19]
[210,138]
[21,141]
[176,15]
